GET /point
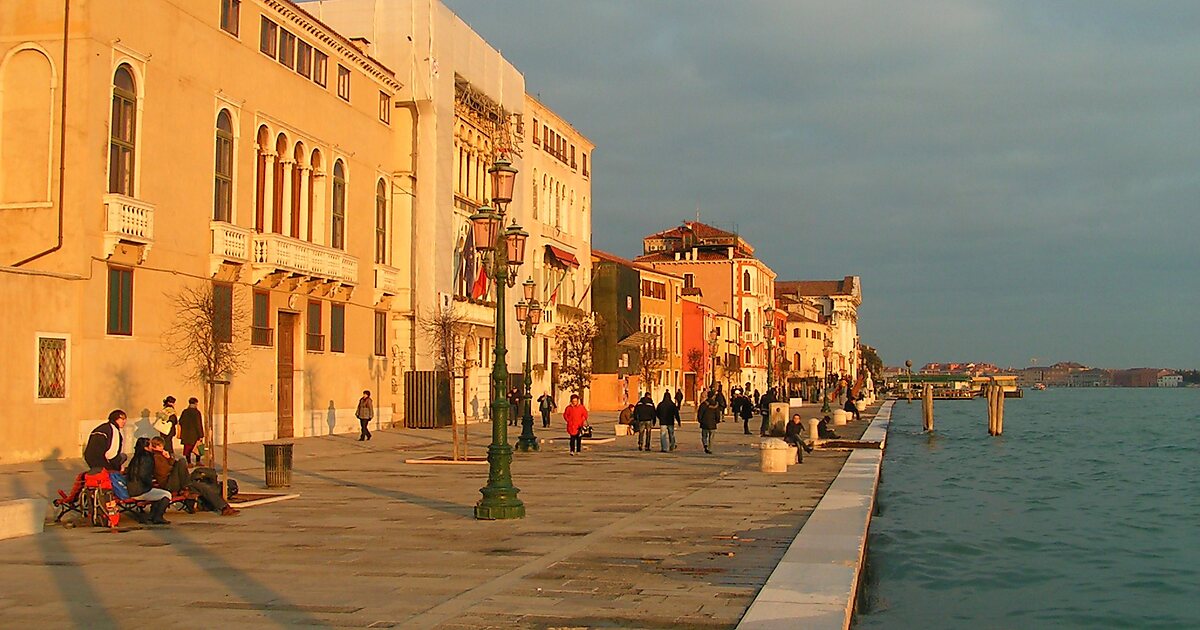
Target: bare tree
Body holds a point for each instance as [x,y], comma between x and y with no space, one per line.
[575,351]
[208,340]
[696,363]
[650,362]
[447,331]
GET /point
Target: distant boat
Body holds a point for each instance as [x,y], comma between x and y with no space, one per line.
[1037,387]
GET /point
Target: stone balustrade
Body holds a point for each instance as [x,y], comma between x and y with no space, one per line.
[128,220]
[276,252]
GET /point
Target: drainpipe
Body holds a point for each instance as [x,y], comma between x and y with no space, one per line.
[62,138]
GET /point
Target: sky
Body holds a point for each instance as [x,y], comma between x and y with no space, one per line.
[1016,182]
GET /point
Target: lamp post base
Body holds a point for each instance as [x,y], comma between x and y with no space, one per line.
[499,500]
[527,441]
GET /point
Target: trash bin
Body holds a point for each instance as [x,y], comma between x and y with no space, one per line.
[775,455]
[277,456]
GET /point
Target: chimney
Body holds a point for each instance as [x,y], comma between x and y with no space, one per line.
[363,44]
[730,250]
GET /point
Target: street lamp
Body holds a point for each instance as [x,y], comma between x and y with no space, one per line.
[825,385]
[529,315]
[908,385]
[502,256]
[712,351]
[769,326]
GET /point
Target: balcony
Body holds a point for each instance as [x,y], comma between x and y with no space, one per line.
[128,220]
[389,283]
[274,253]
[751,337]
[230,244]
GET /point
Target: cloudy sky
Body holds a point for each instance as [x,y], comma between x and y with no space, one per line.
[1013,180]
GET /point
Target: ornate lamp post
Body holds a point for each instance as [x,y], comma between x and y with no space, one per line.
[769,327]
[529,315]
[502,254]
[825,385]
[712,351]
[908,385]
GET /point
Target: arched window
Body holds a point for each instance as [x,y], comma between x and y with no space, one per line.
[314,168]
[261,148]
[337,224]
[297,187]
[747,356]
[535,194]
[281,151]
[746,320]
[381,232]
[745,280]
[122,135]
[223,169]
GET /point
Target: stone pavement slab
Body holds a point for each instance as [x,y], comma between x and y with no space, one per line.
[612,538]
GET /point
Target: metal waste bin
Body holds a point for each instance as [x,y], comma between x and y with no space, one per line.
[277,457]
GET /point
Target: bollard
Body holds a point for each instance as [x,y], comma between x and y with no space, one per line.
[775,455]
[778,415]
[839,417]
[277,457]
[813,432]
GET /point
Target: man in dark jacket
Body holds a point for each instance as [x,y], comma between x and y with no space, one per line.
[709,414]
[744,409]
[719,400]
[678,397]
[765,408]
[103,450]
[668,416]
[643,421]
[191,430]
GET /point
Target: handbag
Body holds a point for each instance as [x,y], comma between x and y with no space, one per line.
[585,431]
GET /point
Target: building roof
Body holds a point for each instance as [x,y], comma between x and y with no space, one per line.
[625,262]
[845,286]
[694,234]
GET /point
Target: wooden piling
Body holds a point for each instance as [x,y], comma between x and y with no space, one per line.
[999,412]
[927,406]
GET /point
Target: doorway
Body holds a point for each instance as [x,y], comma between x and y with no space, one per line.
[285,384]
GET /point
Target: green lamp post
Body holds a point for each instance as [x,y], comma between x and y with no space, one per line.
[769,327]
[503,254]
[825,385]
[529,315]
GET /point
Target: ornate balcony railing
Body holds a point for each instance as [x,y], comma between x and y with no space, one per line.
[128,220]
[230,241]
[389,283]
[276,252]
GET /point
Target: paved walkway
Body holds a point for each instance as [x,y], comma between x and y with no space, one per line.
[612,538]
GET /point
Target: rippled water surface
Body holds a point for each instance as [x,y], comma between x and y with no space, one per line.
[1084,514]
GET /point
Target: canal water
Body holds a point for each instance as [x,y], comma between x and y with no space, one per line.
[1084,514]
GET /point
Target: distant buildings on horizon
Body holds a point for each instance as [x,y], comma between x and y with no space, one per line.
[1063,374]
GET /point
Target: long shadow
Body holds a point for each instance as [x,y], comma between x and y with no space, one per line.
[80,600]
[446,507]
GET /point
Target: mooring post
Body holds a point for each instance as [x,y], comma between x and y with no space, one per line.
[1000,412]
[927,406]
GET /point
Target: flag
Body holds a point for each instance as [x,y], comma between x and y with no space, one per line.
[554,295]
[479,289]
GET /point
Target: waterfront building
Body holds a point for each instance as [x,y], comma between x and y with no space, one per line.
[662,318]
[279,187]
[806,332]
[616,351]
[839,301]
[733,281]
[699,343]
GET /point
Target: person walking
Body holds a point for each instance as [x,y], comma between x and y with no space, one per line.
[668,416]
[191,430]
[546,406]
[765,409]
[365,413]
[514,407]
[167,424]
[644,415]
[576,416]
[743,408]
[709,414]
[678,397]
[720,401]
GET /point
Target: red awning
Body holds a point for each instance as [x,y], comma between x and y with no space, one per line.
[564,257]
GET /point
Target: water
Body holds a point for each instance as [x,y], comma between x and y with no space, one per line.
[1084,514]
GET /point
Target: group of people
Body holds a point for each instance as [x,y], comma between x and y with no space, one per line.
[154,474]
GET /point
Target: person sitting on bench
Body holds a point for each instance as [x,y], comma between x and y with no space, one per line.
[104,446]
[172,475]
[139,477]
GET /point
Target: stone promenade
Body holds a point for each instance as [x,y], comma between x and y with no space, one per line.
[612,538]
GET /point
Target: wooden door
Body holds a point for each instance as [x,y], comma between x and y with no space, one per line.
[285,385]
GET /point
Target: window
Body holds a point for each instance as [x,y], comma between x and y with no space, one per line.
[52,367]
[574,164]
[585,166]
[338,222]
[304,55]
[120,301]
[260,319]
[223,313]
[746,320]
[230,10]
[123,132]
[287,48]
[337,328]
[689,279]
[745,280]
[385,108]
[381,239]
[223,170]
[320,64]
[796,333]
[281,151]
[380,333]
[536,138]
[344,82]
[314,341]
[268,34]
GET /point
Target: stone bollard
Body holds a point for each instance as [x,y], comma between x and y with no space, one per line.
[775,455]
[839,417]
[779,418]
[813,432]
[860,405]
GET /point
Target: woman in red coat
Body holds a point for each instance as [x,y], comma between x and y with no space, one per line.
[576,416]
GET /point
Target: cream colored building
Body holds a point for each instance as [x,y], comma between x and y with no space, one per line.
[243,146]
[838,301]
[557,213]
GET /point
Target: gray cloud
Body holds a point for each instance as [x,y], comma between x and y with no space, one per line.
[1011,179]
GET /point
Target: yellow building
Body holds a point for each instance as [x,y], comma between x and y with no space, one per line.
[838,302]
[662,319]
[806,335]
[239,146]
